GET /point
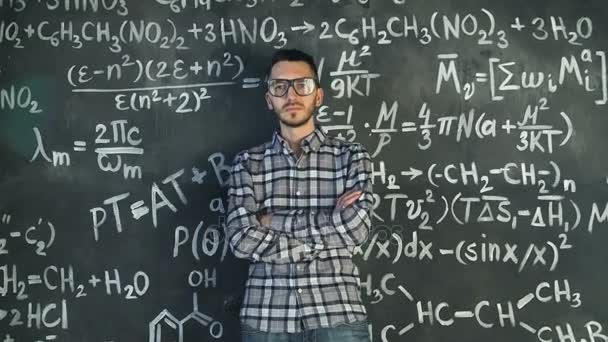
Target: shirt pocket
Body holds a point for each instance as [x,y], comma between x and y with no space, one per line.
[273,184]
[275,188]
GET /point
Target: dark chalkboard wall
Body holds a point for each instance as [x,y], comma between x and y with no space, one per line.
[486,121]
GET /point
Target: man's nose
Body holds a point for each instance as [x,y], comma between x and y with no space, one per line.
[291,92]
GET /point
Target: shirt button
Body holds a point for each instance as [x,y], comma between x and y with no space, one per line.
[298,193]
[299,290]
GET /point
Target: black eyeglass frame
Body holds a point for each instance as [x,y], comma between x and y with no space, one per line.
[290,84]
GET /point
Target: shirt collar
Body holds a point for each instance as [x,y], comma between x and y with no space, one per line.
[313,141]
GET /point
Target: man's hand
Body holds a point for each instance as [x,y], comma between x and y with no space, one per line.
[348,198]
[264,220]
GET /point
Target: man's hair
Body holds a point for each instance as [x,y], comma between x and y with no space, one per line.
[292,55]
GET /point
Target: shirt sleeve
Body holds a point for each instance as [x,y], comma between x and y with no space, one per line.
[342,227]
[247,238]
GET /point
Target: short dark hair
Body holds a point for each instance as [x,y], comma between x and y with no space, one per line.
[292,55]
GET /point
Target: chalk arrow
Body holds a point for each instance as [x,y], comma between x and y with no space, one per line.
[307,27]
[413,173]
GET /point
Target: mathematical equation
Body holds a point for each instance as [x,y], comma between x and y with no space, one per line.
[408,81]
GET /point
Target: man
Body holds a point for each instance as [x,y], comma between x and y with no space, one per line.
[298,205]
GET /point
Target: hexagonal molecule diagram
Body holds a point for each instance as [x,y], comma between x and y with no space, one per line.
[167,328]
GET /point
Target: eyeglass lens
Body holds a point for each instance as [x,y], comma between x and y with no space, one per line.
[302,86]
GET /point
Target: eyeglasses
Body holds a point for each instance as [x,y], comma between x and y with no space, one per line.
[303,86]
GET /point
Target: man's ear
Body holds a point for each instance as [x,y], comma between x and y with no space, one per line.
[268,102]
[319,100]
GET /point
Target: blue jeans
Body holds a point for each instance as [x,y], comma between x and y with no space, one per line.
[347,332]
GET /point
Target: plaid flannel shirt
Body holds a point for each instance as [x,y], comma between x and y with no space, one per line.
[301,274]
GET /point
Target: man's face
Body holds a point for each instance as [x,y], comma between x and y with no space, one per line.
[292,109]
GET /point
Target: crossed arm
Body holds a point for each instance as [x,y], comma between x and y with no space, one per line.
[289,236]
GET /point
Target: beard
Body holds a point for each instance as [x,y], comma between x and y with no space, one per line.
[296,119]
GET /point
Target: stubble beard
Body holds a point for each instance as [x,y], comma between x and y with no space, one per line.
[285,117]
[294,124]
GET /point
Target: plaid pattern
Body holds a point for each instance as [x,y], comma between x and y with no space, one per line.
[301,274]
